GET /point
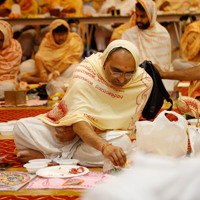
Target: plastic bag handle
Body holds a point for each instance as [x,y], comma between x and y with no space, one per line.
[180,118]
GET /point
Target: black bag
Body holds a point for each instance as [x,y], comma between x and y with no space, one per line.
[158,93]
[40,91]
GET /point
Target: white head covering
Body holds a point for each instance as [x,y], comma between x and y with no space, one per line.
[125,44]
[150,9]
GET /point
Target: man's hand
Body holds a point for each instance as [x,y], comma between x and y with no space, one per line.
[64,133]
[44,77]
[53,75]
[86,132]
[115,154]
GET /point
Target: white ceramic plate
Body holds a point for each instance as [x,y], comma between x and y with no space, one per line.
[68,161]
[61,171]
[40,160]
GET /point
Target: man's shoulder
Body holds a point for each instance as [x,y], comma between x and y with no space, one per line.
[161,27]
[129,31]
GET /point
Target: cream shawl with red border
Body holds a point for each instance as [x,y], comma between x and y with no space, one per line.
[91,98]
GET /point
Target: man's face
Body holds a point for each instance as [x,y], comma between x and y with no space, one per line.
[142,20]
[119,69]
[1,39]
[60,38]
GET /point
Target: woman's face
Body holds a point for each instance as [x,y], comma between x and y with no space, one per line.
[1,39]
[60,38]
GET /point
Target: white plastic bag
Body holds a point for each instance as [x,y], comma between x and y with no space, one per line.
[162,136]
[194,135]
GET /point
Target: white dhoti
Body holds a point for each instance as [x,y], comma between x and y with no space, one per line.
[28,68]
[32,133]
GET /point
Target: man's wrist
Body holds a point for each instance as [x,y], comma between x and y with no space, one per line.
[103,146]
[43,71]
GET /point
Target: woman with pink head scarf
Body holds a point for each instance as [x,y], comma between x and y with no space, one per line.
[10,58]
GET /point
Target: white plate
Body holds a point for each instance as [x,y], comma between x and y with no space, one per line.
[61,171]
[67,161]
[40,160]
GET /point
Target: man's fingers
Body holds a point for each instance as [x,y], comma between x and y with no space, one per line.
[120,158]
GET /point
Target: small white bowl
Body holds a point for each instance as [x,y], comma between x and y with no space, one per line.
[40,161]
[6,130]
[33,167]
[68,161]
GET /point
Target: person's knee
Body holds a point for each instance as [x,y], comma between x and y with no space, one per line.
[18,127]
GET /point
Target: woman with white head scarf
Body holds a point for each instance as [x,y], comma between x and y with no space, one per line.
[104,100]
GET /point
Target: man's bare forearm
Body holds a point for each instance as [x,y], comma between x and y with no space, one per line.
[190,74]
[88,135]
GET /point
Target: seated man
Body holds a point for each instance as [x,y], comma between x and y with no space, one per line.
[152,39]
[190,45]
[93,120]
[10,58]
[58,54]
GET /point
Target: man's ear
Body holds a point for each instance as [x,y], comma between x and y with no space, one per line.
[104,66]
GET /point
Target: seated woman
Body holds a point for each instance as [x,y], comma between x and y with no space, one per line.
[25,34]
[190,45]
[58,55]
[10,58]
[173,5]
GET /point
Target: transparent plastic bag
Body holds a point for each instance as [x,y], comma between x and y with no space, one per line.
[58,86]
[194,135]
[163,137]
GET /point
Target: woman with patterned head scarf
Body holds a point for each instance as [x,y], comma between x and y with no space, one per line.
[10,58]
[58,54]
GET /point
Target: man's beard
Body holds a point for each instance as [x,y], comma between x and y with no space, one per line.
[144,26]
